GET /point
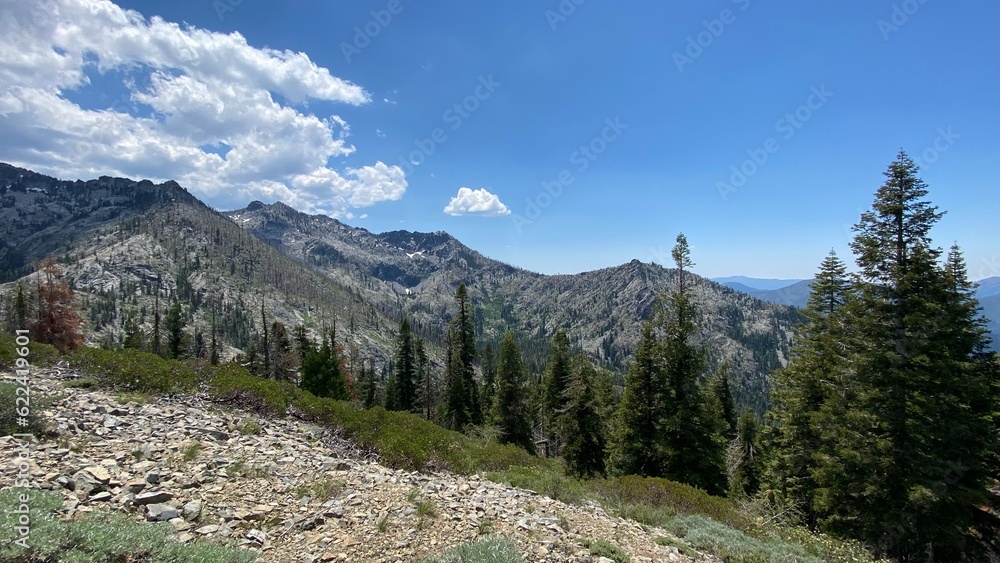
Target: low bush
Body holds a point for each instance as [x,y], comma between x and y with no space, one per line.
[232,383]
[655,501]
[604,548]
[103,536]
[735,546]
[8,413]
[136,371]
[39,355]
[485,550]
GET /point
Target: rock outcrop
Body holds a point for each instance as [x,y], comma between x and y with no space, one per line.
[290,490]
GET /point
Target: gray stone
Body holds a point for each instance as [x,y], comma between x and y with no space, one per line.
[192,510]
[160,512]
[103,496]
[153,497]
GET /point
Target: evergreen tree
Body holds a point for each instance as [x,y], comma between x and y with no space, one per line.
[323,374]
[636,449]
[906,427]
[746,474]
[579,422]
[466,348]
[403,382]
[174,325]
[425,380]
[155,343]
[694,448]
[215,351]
[488,362]
[723,392]
[461,406]
[368,389]
[133,335]
[454,413]
[554,382]
[281,361]
[510,404]
[811,388]
[20,308]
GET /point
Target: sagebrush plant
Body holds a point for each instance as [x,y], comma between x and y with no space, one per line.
[98,537]
[484,550]
[604,548]
[321,488]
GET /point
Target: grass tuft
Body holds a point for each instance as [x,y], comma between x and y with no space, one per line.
[483,550]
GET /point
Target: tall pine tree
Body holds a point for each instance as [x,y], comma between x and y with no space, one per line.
[554,382]
[810,389]
[579,423]
[906,426]
[510,403]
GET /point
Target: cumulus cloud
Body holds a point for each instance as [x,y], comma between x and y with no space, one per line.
[212,112]
[476,202]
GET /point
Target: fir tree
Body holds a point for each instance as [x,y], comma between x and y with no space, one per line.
[454,413]
[746,474]
[694,448]
[723,392]
[906,427]
[403,380]
[174,325]
[810,388]
[579,422]
[425,380]
[462,405]
[636,449]
[323,372]
[554,382]
[510,404]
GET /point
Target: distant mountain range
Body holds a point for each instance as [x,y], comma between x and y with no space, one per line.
[123,242]
[796,294]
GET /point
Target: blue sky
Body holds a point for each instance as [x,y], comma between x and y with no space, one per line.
[638,116]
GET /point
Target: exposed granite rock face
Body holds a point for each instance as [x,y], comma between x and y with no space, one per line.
[292,492]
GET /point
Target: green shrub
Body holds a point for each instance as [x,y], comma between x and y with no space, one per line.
[82,383]
[232,383]
[604,548]
[39,355]
[8,411]
[133,370]
[550,481]
[321,489]
[654,501]
[102,536]
[735,546]
[484,550]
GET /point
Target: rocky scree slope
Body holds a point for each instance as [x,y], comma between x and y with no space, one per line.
[289,490]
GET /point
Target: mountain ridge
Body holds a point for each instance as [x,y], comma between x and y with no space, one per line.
[270,260]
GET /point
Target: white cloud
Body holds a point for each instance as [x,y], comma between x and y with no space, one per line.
[476,202]
[202,90]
